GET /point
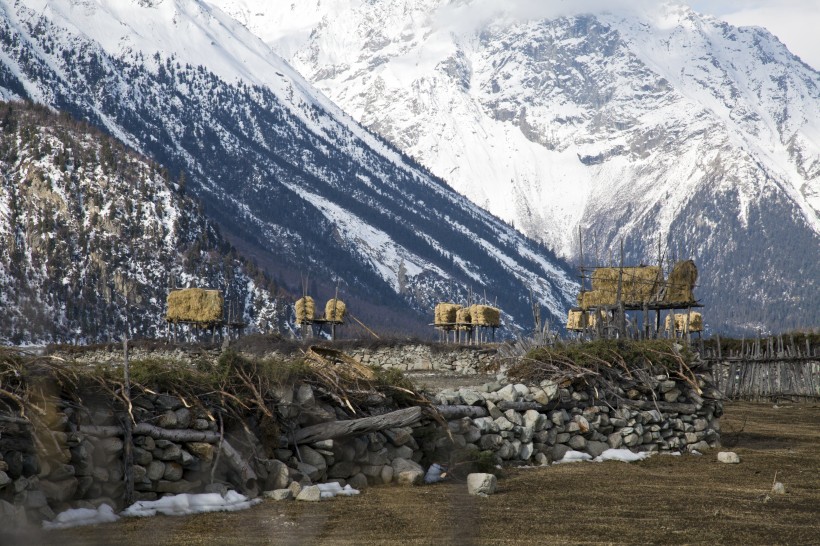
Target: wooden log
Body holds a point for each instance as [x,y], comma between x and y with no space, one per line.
[457,412]
[354,427]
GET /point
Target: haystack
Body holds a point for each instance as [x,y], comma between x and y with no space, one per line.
[681,283]
[305,309]
[484,315]
[195,305]
[335,309]
[695,322]
[446,313]
[575,320]
[464,318]
[638,284]
[596,298]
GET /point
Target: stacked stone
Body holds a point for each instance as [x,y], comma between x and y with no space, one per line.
[539,424]
[408,358]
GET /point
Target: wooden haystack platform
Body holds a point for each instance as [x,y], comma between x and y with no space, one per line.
[612,299]
[469,324]
[313,325]
[199,309]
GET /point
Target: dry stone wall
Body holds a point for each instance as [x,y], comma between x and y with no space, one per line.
[77,458]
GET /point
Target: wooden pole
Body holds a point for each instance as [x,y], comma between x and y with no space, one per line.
[128,443]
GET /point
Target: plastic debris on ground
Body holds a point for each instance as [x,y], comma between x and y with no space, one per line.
[186,503]
[76,517]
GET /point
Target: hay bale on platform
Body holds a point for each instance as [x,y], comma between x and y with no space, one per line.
[575,320]
[638,284]
[305,309]
[681,283]
[195,305]
[335,309]
[445,313]
[596,298]
[485,315]
[695,322]
[464,318]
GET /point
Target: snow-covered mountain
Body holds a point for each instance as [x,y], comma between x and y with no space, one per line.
[293,181]
[94,235]
[639,124]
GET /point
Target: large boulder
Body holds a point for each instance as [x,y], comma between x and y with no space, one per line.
[481,484]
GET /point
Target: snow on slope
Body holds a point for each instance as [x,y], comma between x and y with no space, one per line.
[277,164]
[617,122]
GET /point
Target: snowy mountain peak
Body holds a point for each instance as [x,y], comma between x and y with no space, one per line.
[631,122]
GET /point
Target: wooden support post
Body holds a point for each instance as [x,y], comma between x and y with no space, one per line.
[128,440]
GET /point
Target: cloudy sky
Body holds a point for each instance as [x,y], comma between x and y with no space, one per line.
[795,22]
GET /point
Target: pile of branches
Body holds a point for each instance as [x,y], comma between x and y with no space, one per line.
[609,366]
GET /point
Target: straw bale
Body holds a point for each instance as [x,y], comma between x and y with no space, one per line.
[695,322]
[445,313]
[681,282]
[305,309]
[575,320]
[335,309]
[463,317]
[195,305]
[594,298]
[485,315]
[638,284]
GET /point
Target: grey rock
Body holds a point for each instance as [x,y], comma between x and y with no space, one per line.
[279,494]
[312,457]
[526,451]
[508,393]
[309,470]
[343,469]
[177,487]
[596,448]
[173,471]
[311,493]
[184,417]
[481,484]
[4,479]
[167,420]
[403,465]
[631,440]
[470,397]
[359,481]
[728,457]
[490,441]
[155,470]
[558,451]
[410,477]
[578,442]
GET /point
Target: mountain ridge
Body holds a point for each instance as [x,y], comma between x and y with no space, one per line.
[291,180]
[608,122]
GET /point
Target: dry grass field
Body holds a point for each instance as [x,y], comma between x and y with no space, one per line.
[663,500]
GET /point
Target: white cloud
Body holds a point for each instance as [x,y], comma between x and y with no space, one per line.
[794,22]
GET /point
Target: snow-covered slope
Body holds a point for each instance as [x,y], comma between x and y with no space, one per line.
[292,180]
[639,124]
[94,235]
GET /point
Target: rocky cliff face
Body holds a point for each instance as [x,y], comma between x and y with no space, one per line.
[643,126]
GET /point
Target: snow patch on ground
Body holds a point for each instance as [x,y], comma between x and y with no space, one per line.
[187,504]
[76,517]
[333,489]
[623,455]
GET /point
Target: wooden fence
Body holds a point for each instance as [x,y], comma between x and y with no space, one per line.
[766,369]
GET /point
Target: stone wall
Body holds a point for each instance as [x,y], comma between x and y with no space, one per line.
[75,456]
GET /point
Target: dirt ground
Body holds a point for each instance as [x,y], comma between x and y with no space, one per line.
[663,500]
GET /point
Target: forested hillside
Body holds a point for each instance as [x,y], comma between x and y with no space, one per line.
[94,235]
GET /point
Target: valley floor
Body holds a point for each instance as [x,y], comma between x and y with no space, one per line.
[663,500]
